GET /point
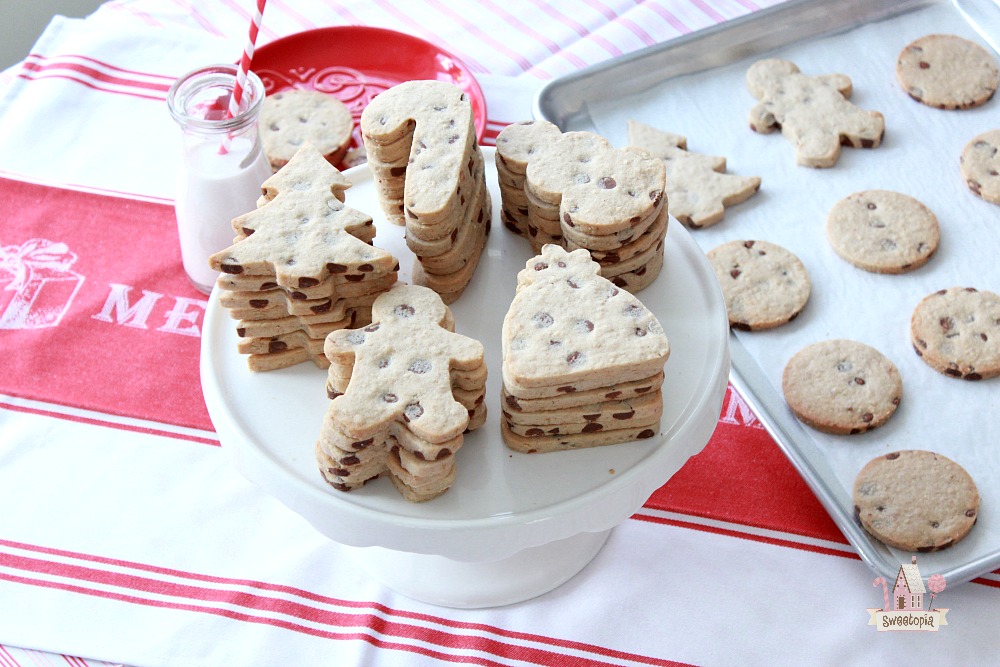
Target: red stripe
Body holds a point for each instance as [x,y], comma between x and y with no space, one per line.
[237,8]
[168,79]
[189,8]
[226,613]
[580,29]
[159,98]
[486,37]
[94,74]
[376,624]
[676,23]
[142,16]
[288,10]
[708,11]
[242,598]
[551,46]
[7,659]
[93,421]
[637,31]
[747,536]
[396,12]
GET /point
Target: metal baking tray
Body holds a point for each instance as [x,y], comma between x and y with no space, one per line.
[570,103]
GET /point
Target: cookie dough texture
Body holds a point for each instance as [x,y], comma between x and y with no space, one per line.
[916,500]
[956,331]
[764,285]
[980,165]
[947,72]
[289,119]
[883,231]
[841,386]
[697,186]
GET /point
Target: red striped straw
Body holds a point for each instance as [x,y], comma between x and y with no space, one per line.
[241,72]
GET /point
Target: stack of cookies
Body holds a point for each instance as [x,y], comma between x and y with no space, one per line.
[582,359]
[397,409]
[421,143]
[302,265]
[577,191]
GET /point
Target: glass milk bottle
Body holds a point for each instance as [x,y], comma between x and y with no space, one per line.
[222,164]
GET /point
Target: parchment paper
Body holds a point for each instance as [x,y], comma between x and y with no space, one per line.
[919,156]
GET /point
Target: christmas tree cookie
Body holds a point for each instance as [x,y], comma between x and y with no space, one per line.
[302,264]
[697,186]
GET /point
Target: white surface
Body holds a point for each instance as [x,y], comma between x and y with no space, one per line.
[919,157]
[502,502]
[471,585]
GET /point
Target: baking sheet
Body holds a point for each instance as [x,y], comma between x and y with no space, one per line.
[919,157]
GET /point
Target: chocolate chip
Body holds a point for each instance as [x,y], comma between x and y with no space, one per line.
[593,427]
[258,303]
[541,266]
[404,311]
[735,273]
[277,346]
[372,327]
[390,398]
[534,432]
[412,411]
[512,403]
[569,389]
[231,269]
[575,358]
[892,456]
[648,433]
[606,183]
[420,366]
[542,320]
[361,444]
[624,415]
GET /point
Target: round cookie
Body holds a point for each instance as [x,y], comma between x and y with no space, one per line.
[883,231]
[764,285]
[291,118]
[947,72]
[916,500]
[980,165]
[841,386]
[956,331]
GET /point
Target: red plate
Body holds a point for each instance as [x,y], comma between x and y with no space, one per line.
[356,63]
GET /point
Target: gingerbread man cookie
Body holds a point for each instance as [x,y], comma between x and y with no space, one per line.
[813,112]
[404,403]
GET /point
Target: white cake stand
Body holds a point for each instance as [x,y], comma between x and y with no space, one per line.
[513,526]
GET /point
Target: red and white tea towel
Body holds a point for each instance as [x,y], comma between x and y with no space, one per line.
[127,535]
